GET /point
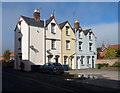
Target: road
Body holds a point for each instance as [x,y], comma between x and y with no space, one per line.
[16,81]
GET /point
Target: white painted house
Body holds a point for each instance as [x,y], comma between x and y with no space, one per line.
[37,41]
[86,49]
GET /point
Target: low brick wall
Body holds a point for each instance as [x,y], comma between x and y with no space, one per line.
[110,68]
[7,64]
[110,61]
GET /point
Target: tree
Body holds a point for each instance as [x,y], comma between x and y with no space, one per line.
[118,53]
[110,53]
[6,55]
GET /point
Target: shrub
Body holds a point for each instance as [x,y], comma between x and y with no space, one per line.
[116,64]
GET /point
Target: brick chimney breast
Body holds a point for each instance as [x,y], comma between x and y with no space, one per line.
[36,14]
[76,24]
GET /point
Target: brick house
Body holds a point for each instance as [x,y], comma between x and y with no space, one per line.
[104,49]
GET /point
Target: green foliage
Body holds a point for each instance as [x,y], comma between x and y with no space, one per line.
[110,53]
[6,55]
[116,64]
[118,53]
[102,65]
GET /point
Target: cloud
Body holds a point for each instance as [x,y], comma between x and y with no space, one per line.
[105,33]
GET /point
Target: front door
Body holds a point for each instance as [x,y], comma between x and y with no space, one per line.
[92,61]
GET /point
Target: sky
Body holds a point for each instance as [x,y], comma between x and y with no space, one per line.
[101,17]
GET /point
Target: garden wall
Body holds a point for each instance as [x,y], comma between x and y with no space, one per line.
[110,61]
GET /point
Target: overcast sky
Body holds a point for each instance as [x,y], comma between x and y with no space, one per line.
[101,17]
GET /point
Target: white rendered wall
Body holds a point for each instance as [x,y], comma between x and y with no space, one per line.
[37,40]
[85,51]
[50,36]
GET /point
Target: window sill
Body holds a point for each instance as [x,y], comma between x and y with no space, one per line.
[19,48]
[90,39]
[67,49]
[91,51]
[53,48]
[82,65]
[80,38]
[80,50]
[88,64]
[53,32]
[67,35]
[19,32]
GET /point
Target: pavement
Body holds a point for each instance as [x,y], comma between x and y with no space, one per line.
[105,78]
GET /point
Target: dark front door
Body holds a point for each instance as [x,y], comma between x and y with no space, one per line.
[92,61]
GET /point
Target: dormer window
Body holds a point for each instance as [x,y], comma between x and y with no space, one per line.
[53,28]
[67,31]
[90,36]
[80,35]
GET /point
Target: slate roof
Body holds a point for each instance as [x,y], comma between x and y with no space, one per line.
[86,32]
[33,22]
[62,24]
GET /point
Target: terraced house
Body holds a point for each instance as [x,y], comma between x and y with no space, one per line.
[86,52]
[37,41]
[68,56]
[42,41]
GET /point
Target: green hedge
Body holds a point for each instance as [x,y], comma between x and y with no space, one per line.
[116,64]
[98,66]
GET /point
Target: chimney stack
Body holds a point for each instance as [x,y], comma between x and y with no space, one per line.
[76,24]
[36,14]
[103,46]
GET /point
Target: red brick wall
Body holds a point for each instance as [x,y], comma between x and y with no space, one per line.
[110,61]
[110,68]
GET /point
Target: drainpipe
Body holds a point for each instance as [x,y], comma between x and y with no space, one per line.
[45,40]
[28,42]
[76,48]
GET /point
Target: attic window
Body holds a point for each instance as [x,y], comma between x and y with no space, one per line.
[67,30]
[90,36]
[53,28]
[80,35]
[19,22]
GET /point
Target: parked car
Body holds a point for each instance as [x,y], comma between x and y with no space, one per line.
[66,67]
[52,68]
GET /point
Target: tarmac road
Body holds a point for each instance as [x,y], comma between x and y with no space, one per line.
[15,81]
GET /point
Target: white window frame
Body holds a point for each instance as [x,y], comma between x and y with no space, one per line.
[80,35]
[88,59]
[53,28]
[90,36]
[53,44]
[67,45]
[80,45]
[20,43]
[49,59]
[90,46]
[67,31]
[82,60]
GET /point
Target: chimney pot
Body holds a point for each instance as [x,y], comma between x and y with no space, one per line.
[77,24]
[36,14]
